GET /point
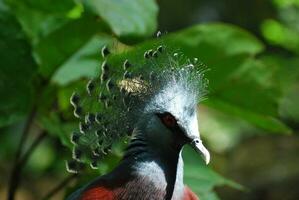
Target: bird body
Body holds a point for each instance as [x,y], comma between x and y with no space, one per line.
[140,175]
[164,120]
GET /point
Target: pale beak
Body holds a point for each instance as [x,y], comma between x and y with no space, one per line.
[200,148]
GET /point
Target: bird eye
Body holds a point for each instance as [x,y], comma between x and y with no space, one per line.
[168,120]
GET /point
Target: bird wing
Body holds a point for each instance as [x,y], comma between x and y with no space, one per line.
[189,195]
[97,193]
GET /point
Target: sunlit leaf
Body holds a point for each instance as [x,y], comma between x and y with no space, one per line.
[127,18]
[85,62]
[279,34]
[39,18]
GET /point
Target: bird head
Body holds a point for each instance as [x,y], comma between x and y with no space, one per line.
[170,117]
[157,97]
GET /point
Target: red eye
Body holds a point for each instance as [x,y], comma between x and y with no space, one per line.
[169,120]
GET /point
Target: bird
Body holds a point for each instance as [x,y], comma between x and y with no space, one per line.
[158,113]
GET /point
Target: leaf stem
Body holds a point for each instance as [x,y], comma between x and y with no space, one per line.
[16,169]
[33,146]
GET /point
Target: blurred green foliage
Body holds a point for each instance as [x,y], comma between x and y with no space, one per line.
[48,47]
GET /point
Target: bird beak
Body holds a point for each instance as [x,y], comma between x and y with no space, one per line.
[200,148]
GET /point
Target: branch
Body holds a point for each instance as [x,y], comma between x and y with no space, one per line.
[23,160]
[59,186]
[15,173]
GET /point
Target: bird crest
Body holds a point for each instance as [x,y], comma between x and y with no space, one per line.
[111,103]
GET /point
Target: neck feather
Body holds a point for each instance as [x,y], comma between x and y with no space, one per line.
[163,170]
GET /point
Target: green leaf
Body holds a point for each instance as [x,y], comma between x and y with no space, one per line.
[279,34]
[216,40]
[39,18]
[286,76]
[201,178]
[62,44]
[16,71]
[222,131]
[223,53]
[57,128]
[127,18]
[252,93]
[266,122]
[223,48]
[84,62]
[258,103]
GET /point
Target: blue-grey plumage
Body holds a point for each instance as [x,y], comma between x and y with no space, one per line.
[162,112]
